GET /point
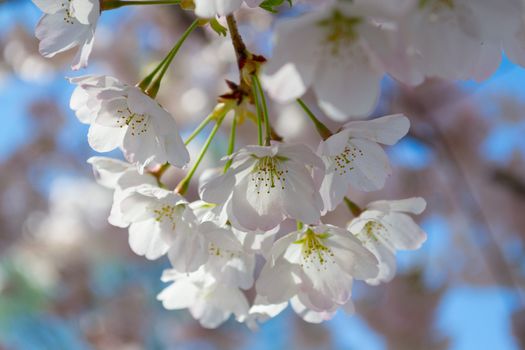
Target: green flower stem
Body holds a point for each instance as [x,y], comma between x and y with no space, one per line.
[151,84]
[182,187]
[267,125]
[199,128]
[231,145]
[259,111]
[354,208]
[115,4]
[322,129]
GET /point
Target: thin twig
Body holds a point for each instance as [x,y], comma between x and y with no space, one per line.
[238,44]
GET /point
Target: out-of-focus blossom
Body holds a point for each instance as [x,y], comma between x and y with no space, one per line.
[331,51]
[472,33]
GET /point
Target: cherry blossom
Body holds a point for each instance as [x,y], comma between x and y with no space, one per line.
[228,259]
[438,26]
[267,184]
[159,220]
[353,157]
[230,247]
[451,39]
[67,24]
[384,228]
[316,265]
[255,242]
[119,176]
[208,300]
[213,292]
[123,116]
[328,50]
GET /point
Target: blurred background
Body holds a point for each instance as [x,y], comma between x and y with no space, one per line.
[69,281]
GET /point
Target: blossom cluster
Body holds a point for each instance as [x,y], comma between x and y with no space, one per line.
[231,250]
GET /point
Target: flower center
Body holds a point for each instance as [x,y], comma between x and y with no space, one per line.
[314,252]
[371,230]
[213,250]
[166,212]
[343,161]
[269,173]
[68,15]
[137,122]
[340,30]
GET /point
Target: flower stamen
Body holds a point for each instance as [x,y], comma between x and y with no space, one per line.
[68,15]
[268,171]
[166,212]
[314,252]
[343,161]
[137,122]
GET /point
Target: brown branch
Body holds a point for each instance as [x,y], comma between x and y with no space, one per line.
[510,181]
[241,51]
[244,58]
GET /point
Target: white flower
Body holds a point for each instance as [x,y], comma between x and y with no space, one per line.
[110,172]
[384,227]
[67,24]
[353,157]
[123,116]
[256,242]
[208,300]
[317,265]
[160,221]
[119,176]
[211,212]
[267,184]
[449,39]
[228,261]
[446,39]
[212,293]
[329,51]
[212,8]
